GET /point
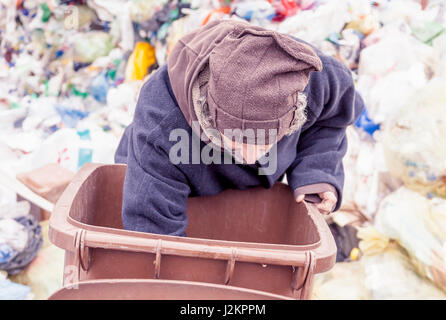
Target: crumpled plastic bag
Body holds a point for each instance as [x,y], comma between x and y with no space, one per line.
[14,234]
[122,102]
[390,275]
[386,269]
[140,60]
[344,282]
[314,26]
[389,272]
[92,45]
[372,241]
[367,179]
[142,10]
[418,224]
[386,77]
[414,145]
[25,242]
[10,208]
[45,273]
[385,272]
[13,291]
[71,149]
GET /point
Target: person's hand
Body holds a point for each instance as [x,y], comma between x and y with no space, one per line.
[327,204]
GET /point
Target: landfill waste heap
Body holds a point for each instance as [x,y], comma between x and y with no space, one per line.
[71,71]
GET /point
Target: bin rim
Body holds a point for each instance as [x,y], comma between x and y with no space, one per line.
[63,231]
[166,283]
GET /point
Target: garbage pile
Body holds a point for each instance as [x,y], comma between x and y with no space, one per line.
[71,71]
[20,241]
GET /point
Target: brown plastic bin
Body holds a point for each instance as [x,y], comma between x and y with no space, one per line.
[158,290]
[259,239]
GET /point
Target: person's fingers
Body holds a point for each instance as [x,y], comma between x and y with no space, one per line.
[326,206]
[300,198]
[328,195]
[328,202]
[322,208]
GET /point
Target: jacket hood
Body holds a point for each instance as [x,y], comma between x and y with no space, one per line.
[192,55]
[189,57]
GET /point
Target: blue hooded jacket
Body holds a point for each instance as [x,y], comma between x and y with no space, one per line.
[156,190]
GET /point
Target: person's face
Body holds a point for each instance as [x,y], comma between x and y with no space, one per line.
[250,153]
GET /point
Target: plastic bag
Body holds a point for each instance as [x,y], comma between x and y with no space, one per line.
[24,251]
[92,45]
[122,102]
[367,180]
[314,26]
[390,275]
[344,282]
[384,272]
[45,273]
[142,58]
[142,10]
[72,148]
[7,201]
[386,78]
[418,224]
[13,291]
[99,88]
[389,272]
[414,145]
[14,234]
[257,12]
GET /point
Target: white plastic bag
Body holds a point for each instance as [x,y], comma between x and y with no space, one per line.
[418,225]
[344,282]
[388,78]
[389,272]
[390,275]
[367,180]
[414,145]
[314,26]
[14,234]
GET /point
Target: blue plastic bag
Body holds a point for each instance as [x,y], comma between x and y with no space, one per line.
[366,124]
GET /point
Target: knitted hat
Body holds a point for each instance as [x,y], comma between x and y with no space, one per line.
[255,75]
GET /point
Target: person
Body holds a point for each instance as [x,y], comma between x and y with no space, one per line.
[236,106]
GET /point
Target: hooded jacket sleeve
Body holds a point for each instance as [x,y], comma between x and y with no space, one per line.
[155,190]
[333,104]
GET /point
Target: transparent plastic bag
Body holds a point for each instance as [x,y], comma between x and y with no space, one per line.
[414,145]
[418,225]
[92,45]
[389,272]
[344,282]
[390,275]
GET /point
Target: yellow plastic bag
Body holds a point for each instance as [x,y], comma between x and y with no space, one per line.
[140,60]
[373,241]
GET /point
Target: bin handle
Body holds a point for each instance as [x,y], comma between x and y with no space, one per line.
[94,239]
[230,266]
[302,276]
[77,255]
[84,253]
[157,261]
